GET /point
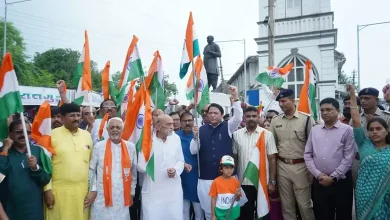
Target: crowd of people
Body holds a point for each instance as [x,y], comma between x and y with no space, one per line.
[338,168]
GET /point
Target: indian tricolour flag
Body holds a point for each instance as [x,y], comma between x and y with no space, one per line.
[307,100]
[41,133]
[82,75]
[107,84]
[10,102]
[156,87]
[134,119]
[129,97]
[190,47]
[201,95]
[257,173]
[274,76]
[146,137]
[132,69]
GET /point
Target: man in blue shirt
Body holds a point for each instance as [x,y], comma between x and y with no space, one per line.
[189,178]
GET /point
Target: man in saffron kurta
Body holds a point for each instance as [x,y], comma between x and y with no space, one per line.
[73,147]
[162,198]
[112,202]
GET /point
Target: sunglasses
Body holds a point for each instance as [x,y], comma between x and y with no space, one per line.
[20,132]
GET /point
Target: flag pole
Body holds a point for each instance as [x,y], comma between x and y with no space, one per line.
[25,134]
[196,109]
[194,80]
[90,102]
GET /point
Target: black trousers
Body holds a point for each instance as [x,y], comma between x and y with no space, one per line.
[248,211]
[333,201]
[212,80]
[135,209]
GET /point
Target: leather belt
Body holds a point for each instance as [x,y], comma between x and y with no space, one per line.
[291,161]
[357,156]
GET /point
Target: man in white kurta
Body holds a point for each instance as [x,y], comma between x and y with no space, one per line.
[107,106]
[162,198]
[118,210]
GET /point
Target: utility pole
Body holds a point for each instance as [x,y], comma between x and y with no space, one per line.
[271,31]
[5,22]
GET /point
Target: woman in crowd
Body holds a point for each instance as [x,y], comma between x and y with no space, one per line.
[373,183]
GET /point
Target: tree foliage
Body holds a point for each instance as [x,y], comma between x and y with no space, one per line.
[15,45]
[170,89]
[344,78]
[62,64]
[46,68]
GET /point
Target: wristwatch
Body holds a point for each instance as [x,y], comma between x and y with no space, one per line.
[273,182]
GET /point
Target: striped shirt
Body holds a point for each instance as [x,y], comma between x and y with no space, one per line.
[244,143]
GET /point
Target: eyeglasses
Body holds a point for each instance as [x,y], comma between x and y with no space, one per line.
[108,107]
[89,113]
[327,109]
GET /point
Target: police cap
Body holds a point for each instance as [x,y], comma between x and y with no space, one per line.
[285,93]
[369,91]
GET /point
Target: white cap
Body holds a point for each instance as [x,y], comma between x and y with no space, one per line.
[227,160]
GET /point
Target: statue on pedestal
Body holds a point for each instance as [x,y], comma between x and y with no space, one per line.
[211,54]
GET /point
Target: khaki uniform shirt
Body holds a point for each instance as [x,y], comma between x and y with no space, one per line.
[378,113]
[290,135]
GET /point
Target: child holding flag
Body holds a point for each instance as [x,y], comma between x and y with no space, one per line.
[225,191]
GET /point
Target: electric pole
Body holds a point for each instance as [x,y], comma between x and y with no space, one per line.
[271,31]
[353,77]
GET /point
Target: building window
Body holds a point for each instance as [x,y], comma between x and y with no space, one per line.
[296,77]
[293,4]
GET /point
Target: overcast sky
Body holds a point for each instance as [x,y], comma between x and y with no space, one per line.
[161,25]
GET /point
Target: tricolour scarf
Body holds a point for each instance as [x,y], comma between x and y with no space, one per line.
[126,174]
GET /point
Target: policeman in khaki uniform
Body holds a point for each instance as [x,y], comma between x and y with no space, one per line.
[291,129]
[369,103]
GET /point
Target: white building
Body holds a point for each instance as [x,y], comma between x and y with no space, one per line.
[303,30]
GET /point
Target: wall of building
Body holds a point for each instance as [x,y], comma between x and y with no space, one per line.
[252,72]
[293,8]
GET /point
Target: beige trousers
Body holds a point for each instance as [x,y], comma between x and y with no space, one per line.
[294,185]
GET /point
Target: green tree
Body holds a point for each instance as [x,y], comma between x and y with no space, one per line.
[170,89]
[58,61]
[15,45]
[62,64]
[32,76]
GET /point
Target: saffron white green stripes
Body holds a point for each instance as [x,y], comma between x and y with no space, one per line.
[82,75]
[202,94]
[156,87]
[253,172]
[312,95]
[132,70]
[10,102]
[78,77]
[190,47]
